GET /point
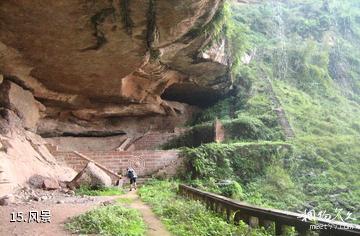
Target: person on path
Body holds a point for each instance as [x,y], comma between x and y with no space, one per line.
[131,174]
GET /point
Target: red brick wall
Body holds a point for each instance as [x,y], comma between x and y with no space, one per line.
[145,163]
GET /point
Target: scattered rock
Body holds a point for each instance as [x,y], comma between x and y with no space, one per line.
[107,203]
[37,181]
[63,190]
[6,200]
[43,198]
[59,202]
[43,182]
[62,184]
[50,184]
[35,198]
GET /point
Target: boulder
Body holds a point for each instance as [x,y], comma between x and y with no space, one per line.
[43,182]
[6,200]
[37,181]
[92,176]
[21,101]
[50,184]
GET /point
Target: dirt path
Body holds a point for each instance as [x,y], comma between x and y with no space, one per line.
[59,215]
[155,226]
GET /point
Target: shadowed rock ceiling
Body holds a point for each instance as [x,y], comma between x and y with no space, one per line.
[94,59]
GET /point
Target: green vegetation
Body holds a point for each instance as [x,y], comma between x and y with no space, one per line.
[124,200]
[250,124]
[88,191]
[250,128]
[194,137]
[109,220]
[184,217]
[125,16]
[254,172]
[239,161]
[309,51]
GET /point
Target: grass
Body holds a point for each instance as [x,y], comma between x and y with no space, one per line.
[109,220]
[317,85]
[183,217]
[88,191]
[124,200]
[326,116]
[326,158]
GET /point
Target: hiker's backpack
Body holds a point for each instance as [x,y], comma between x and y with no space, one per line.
[130,174]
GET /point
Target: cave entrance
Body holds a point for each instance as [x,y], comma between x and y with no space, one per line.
[191,94]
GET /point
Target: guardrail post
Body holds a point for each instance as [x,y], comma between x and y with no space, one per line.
[303,231]
[265,223]
[255,216]
[221,209]
[228,214]
[210,204]
[253,222]
[217,207]
[325,233]
[279,228]
[241,216]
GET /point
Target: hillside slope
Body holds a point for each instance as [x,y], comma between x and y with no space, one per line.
[306,53]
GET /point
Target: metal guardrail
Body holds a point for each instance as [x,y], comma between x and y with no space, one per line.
[255,216]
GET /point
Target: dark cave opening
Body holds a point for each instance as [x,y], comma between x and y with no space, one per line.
[191,94]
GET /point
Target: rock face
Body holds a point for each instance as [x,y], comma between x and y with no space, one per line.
[99,68]
[92,60]
[20,101]
[24,154]
[93,176]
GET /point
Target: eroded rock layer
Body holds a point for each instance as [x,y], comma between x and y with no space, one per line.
[91,59]
[101,68]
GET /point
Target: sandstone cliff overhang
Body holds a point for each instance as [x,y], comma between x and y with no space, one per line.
[94,59]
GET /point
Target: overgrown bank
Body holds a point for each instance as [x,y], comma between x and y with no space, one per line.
[309,50]
[110,220]
[185,217]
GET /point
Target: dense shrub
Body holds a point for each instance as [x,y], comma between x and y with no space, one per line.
[232,190]
[185,217]
[106,191]
[247,128]
[194,137]
[110,220]
[238,161]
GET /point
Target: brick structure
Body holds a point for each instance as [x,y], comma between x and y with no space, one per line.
[219,131]
[146,163]
[151,141]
